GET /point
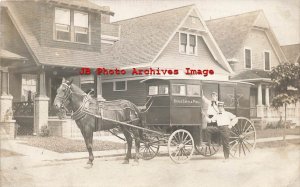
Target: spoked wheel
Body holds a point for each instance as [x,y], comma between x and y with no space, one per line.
[242,137]
[149,147]
[180,146]
[206,150]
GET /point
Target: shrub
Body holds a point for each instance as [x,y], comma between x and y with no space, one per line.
[45,131]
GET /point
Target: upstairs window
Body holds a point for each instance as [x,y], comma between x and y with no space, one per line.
[248,63]
[71,25]
[267,61]
[63,24]
[183,43]
[188,44]
[120,86]
[81,25]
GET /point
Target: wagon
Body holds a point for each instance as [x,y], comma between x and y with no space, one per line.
[173,118]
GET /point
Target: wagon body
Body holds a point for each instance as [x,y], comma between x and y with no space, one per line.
[178,102]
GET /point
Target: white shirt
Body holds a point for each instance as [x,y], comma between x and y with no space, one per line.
[224,118]
[212,109]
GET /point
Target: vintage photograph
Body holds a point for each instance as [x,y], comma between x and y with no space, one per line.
[150,93]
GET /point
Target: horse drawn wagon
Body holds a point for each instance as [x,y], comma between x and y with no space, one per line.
[172,118]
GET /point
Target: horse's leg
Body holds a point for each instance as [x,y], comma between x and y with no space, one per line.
[137,145]
[88,138]
[129,145]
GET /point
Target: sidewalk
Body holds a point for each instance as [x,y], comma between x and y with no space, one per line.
[34,156]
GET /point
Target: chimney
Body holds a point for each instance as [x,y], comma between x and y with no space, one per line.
[105,18]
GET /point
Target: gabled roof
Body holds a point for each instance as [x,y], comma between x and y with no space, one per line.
[252,74]
[230,32]
[143,37]
[5,54]
[292,52]
[44,55]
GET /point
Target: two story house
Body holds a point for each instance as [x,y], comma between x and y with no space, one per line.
[57,37]
[251,48]
[172,39]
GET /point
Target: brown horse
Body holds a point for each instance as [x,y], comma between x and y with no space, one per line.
[90,116]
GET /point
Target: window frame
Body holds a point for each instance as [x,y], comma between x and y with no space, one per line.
[172,93]
[115,86]
[245,61]
[188,46]
[193,95]
[72,27]
[264,56]
[69,26]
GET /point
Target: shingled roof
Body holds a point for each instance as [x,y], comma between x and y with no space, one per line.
[50,55]
[292,52]
[252,74]
[143,37]
[230,32]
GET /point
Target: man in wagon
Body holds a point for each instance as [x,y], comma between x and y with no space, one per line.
[223,120]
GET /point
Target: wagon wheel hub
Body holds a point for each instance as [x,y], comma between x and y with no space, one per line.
[180,146]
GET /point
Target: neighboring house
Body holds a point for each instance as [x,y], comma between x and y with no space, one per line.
[292,52]
[251,48]
[57,37]
[170,39]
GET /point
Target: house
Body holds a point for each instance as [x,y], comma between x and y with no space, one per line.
[57,37]
[250,46]
[172,39]
[292,52]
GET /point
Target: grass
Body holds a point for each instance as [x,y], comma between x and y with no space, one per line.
[267,133]
[64,145]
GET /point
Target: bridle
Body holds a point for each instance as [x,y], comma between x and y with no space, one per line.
[66,96]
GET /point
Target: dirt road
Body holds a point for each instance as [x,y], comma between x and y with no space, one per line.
[265,167]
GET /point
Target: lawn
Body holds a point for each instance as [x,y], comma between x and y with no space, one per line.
[267,133]
[64,145]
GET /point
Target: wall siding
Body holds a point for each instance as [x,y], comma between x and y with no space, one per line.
[136,92]
[258,42]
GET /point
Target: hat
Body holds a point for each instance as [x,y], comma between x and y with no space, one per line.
[220,104]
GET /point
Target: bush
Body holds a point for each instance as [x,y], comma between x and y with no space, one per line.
[45,131]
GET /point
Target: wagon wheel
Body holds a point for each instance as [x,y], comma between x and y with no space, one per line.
[180,146]
[207,151]
[149,147]
[242,137]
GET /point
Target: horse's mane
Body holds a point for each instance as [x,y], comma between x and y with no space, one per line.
[80,91]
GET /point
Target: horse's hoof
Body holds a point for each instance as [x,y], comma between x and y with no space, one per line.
[88,165]
[125,162]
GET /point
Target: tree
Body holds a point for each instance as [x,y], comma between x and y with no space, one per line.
[286,84]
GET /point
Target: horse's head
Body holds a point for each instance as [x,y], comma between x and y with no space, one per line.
[63,94]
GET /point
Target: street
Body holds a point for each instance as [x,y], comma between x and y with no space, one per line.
[265,167]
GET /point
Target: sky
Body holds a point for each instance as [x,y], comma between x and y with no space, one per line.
[283,15]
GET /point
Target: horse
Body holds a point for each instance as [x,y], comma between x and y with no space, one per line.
[89,116]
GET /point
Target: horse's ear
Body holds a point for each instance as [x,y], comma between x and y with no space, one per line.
[63,80]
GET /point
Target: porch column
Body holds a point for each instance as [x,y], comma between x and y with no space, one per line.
[259,107]
[5,97]
[267,94]
[41,104]
[7,124]
[98,84]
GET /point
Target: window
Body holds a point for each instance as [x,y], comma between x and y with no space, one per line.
[248,63]
[267,61]
[163,89]
[29,83]
[120,86]
[153,90]
[183,42]
[159,90]
[193,90]
[188,44]
[178,89]
[81,25]
[62,24]
[71,25]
